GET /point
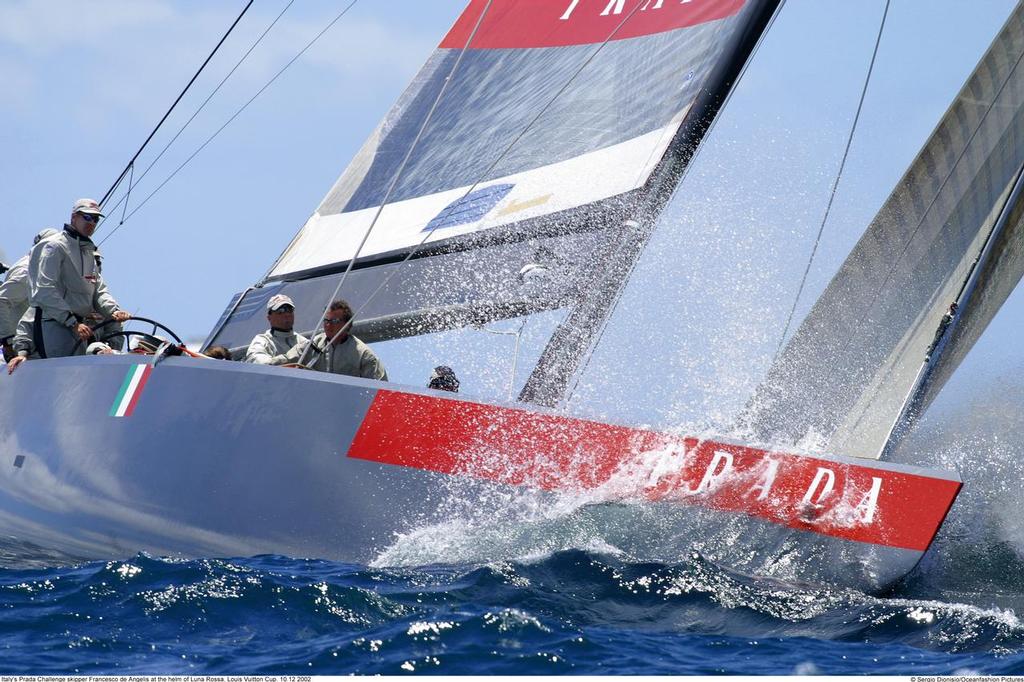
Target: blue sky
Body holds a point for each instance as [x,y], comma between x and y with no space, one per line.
[86,81]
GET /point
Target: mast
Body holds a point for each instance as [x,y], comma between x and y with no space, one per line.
[572,340]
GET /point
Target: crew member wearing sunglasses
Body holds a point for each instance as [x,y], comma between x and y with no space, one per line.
[66,287]
[336,350]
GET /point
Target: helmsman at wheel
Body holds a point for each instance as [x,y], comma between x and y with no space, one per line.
[269,348]
[66,286]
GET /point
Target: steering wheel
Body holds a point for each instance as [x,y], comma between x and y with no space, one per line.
[129,333]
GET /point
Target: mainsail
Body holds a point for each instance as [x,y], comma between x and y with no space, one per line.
[611,81]
[548,120]
[851,366]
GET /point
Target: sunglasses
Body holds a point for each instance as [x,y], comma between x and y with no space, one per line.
[89,217]
[335,320]
[283,309]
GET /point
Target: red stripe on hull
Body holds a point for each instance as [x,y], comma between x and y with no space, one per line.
[841,499]
[540,23]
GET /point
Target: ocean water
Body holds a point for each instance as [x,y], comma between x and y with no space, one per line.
[570,611]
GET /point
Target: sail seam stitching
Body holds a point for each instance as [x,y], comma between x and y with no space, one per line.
[938,192]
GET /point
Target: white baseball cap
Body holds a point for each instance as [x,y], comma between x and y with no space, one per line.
[87,206]
[277,301]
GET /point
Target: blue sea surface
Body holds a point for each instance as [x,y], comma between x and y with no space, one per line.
[570,611]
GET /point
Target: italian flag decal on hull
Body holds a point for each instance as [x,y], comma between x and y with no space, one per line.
[131,389]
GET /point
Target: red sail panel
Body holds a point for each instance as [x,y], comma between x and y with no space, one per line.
[839,498]
[558,23]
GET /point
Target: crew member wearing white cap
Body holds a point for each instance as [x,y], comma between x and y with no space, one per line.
[270,347]
[14,293]
[66,285]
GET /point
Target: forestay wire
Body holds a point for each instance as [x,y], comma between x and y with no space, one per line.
[835,186]
[469,191]
[991,105]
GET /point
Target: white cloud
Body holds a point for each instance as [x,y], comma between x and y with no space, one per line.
[41,26]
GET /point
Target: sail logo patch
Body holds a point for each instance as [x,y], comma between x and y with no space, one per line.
[254,301]
[469,208]
[128,397]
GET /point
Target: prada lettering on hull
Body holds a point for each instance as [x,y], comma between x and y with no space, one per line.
[861,501]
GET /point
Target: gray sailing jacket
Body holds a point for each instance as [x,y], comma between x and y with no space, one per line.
[269,348]
[65,281]
[14,294]
[22,342]
[352,358]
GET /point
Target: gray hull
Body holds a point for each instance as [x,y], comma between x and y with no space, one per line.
[224,459]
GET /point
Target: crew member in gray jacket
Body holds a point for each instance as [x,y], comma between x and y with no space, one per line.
[335,350]
[14,294]
[66,285]
[270,347]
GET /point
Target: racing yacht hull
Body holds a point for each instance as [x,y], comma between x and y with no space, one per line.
[103,457]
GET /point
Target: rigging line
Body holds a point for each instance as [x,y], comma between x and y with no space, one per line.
[189,85]
[206,101]
[236,114]
[127,194]
[488,170]
[398,174]
[835,185]
[682,178]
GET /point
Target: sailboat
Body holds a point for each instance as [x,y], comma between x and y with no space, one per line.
[526,189]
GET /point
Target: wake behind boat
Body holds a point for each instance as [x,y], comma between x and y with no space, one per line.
[520,187]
